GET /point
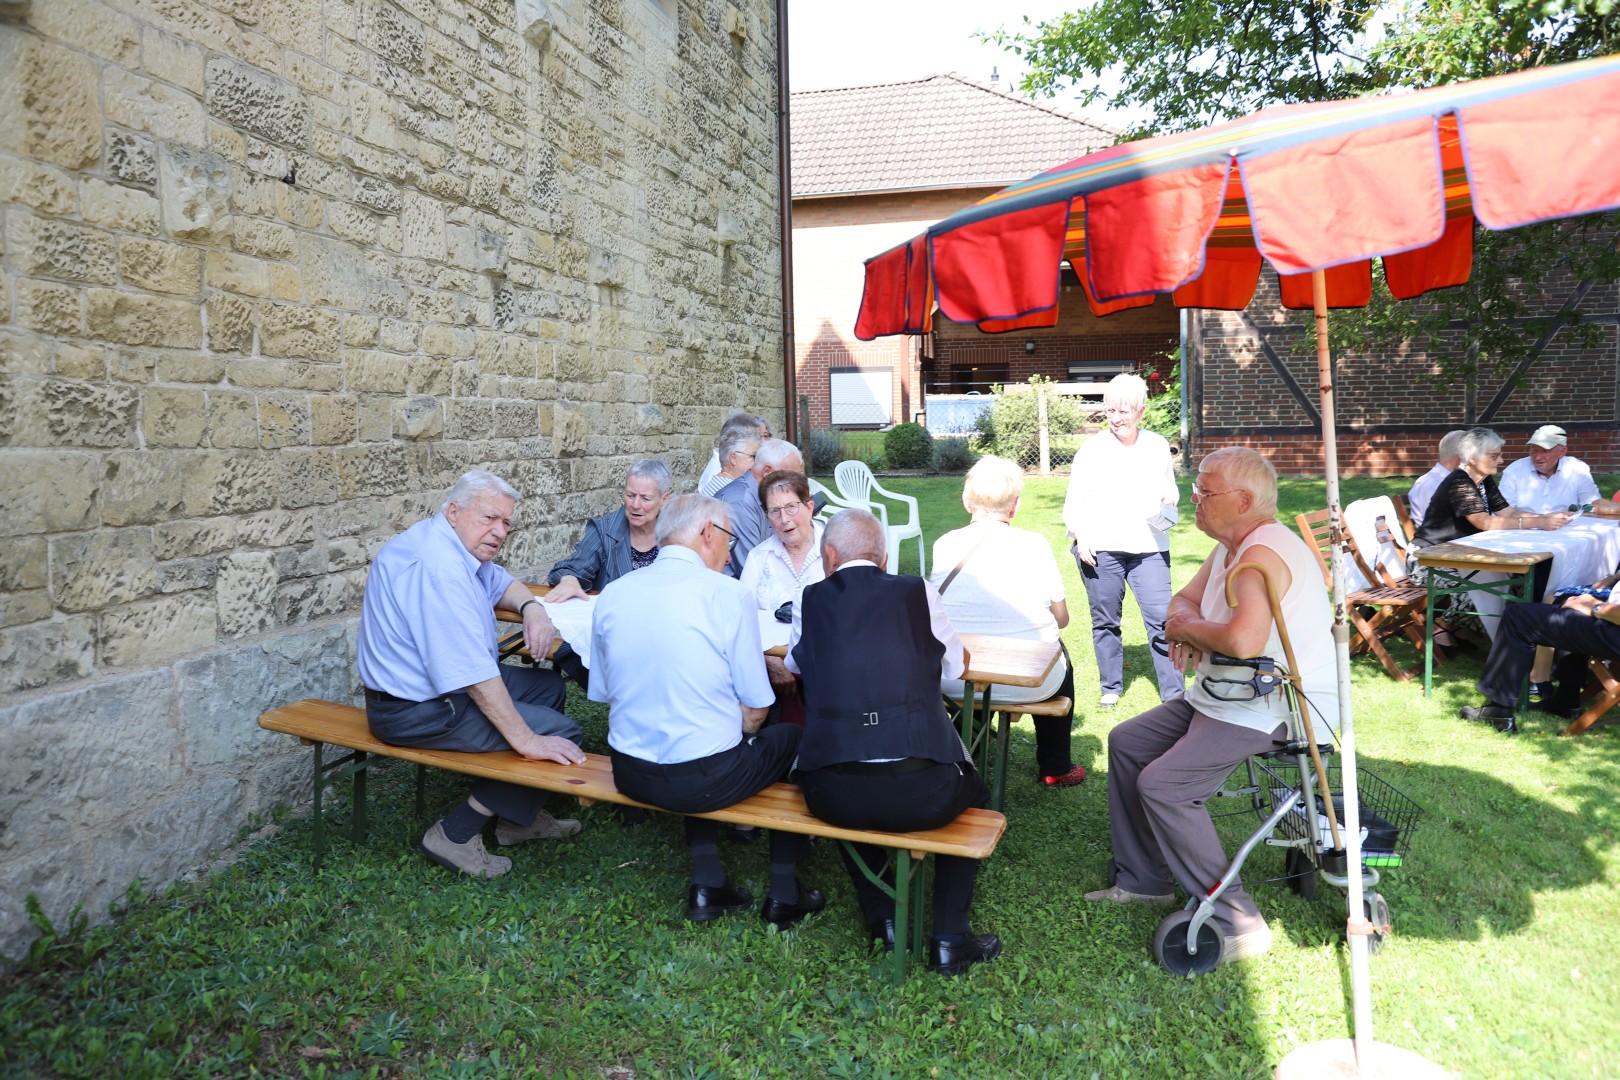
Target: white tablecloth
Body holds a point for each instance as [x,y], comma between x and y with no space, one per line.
[573,621]
[1585,550]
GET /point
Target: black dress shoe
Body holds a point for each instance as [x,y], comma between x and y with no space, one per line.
[706,902]
[783,914]
[742,836]
[1500,716]
[955,957]
[881,931]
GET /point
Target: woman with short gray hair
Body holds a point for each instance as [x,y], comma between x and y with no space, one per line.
[1468,501]
[618,542]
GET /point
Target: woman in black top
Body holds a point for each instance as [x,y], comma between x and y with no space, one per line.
[1468,501]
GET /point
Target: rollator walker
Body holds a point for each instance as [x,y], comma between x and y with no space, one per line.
[1286,789]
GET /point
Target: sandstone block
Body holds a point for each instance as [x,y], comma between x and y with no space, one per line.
[307,599]
[374,416]
[132,158]
[360,330]
[49,308]
[375,371]
[256,101]
[91,27]
[276,528]
[237,273]
[308,478]
[348,553]
[42,653]
[189,368]
[160,266]
[28,183]
[17,608]
[285,282]
[175,60]
[393,34]
[420,417]
[96,570]
[233,419]
[226,143]
[333,273]
[298,207]
[24,354]
[283,420]
[117,207]
[286,330]
[267,239]
[308,560]
[469,418]
[378,194]
[141,104]
[423,221]
[230,482]
[62,412]
[185,575]
[130,366]
[151,631]
[245,594]
[139,487]
[352,222]
[372,470]
[52,113]
[173,417]
[230,324]
[447,341]
[398,336]
[190,539]
[571,427]
[22,563]
[62,249]
[332,419]
[130,319]
[196,193]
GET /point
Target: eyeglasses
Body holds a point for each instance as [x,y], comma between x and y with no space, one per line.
[1200,494]
[729,543]
[780,512]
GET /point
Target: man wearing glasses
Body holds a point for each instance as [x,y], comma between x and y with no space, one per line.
[676,655]
[1164,763]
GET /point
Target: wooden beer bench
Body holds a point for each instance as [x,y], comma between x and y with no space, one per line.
[323,724]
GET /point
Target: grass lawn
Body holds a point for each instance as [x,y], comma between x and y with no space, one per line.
[1502,961]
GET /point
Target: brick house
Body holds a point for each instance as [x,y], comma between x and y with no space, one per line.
[873,166]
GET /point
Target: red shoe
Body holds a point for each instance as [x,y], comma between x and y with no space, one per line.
[1068,779]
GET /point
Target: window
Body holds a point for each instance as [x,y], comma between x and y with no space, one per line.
[862,397]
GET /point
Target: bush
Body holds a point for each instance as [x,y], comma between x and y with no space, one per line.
[908,446]
[1012,428]
[953,455]
[1163,413]
[826,451]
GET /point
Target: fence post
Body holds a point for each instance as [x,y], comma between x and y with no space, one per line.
[1046,441]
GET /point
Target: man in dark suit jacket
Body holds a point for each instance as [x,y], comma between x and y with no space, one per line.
[878,751]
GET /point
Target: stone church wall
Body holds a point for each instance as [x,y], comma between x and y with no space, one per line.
[272,274]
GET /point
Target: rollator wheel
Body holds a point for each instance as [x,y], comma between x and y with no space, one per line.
[1377,912]
[1170,946]
[1301,873]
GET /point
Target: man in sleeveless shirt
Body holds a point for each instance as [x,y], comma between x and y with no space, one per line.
[878,751]
[1164,764]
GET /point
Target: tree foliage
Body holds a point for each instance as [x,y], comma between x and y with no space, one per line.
[1197,62]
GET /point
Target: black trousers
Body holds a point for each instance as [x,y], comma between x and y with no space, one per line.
[900,797]
[1525,626]
[716,782]
[455,722]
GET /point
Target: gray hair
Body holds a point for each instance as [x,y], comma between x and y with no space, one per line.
[857,534]
[772,453]
[1451,444]
[1476,443]
[734,439]
[1127,390]
[651,469]
[476,484]
[684,517]
[743,422]
[993,484]
[1246,470]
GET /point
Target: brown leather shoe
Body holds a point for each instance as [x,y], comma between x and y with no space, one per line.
[543,827]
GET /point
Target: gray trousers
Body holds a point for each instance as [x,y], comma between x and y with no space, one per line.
[1162,767]
[454,722]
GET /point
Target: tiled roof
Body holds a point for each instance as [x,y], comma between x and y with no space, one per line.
[943,131]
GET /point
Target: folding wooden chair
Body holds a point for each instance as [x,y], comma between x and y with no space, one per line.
[1383,608]
[1605,690]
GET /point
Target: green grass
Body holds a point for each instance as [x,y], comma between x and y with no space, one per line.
[1502,962]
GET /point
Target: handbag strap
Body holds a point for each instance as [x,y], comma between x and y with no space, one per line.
[968,554]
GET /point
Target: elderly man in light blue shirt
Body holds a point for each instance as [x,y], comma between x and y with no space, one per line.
[429,658]
[676,655]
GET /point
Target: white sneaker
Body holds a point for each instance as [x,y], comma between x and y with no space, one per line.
[469,858]
[1108,701]
[543,827]
[1246,946]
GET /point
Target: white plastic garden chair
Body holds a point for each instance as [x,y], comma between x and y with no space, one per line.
[856,485]
[834,502]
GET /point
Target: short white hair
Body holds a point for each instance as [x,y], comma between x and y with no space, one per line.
[993,484]
[1451,444]
[1476,443]
[650,469]
[1125,389]
[857,534]
[773,452]
[685,516]
[1246,470]
[477,484]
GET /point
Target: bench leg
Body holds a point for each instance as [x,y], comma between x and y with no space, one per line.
[907,894]
[320,782]
[327,773]
[421,794]
[998,781]
[357,810]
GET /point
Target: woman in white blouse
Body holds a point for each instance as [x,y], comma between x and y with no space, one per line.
[781,566]
[994,578]
[1121,504]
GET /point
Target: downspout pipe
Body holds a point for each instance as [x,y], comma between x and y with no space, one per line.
[784,152]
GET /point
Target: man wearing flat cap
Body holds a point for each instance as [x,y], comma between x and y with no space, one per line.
[1548,480]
